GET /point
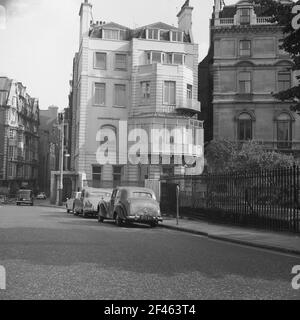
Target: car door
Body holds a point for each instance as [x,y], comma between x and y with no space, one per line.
[111,205]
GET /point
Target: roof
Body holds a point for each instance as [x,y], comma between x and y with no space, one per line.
[135,189]
[112,25]
[160,25]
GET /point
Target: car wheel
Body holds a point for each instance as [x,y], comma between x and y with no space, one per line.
[119,221]
[84,214]
[100,218]
[153,225]
[75,213]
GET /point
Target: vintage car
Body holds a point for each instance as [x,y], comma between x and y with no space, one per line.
[88,203]
[41,196]
[70,204]
[131,205]
[25,197]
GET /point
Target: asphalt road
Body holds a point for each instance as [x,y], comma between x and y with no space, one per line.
[49,254]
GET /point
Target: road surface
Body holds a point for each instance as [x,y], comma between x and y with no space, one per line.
[49,254]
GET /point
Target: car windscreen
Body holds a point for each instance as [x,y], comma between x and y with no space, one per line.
[24,194]
[143,195]
[97,195]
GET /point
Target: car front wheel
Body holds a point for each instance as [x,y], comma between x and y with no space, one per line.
[119,221]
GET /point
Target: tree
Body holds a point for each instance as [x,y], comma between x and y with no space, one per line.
[224,156]
[282,14]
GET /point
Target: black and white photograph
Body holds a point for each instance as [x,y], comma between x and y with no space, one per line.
[149,152]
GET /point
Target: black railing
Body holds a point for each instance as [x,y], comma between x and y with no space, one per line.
[266,199]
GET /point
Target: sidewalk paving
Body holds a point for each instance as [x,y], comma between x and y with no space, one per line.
[281,242]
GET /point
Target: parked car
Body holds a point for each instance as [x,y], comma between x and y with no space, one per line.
[3,199]
[41,196]
[70,204]
[25,197]
[131,205]
[88,203]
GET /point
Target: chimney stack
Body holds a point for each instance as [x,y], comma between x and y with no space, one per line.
[85,14]
[185,19]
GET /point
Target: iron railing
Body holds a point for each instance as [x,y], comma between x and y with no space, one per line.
[268,199]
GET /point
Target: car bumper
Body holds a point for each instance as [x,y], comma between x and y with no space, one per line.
[24,202]
[144,219]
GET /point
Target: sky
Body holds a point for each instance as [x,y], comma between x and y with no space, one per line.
[40,37]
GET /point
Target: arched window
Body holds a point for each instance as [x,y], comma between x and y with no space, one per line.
[245,127]
[284,131]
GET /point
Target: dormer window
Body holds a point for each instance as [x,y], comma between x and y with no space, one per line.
[164,35]
[245,16]
[153,34]
[177,36]
[114,34]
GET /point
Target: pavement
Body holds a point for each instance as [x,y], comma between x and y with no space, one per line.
[281,242]
[49,254]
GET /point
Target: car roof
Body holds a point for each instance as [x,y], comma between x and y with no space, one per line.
[135,189]
[98,190]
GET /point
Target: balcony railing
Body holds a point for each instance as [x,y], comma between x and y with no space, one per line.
[190,105]
[231,21]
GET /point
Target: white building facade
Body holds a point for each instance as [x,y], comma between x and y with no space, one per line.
[126,79]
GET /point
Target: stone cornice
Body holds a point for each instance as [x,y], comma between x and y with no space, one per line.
[247,29]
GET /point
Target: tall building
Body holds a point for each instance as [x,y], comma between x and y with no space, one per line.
[243,69]
[48,147]
[19,123]
[146,76]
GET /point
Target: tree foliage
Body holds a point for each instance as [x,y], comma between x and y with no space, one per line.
[282,14]
[225,156]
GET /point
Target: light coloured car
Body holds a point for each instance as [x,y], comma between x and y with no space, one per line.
[70,204]
[131,205]
[41,196]
[89,201]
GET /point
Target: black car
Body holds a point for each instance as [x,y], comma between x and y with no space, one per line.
[25,197]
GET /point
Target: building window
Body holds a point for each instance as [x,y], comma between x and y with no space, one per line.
[189,91]
[117,175]
[170,92]
[179,58]
[167,171]
[245,16]
[97,173]
[245,127]
[100,94]
[245,48]
[145,91]
[120,95]
[111,34]
[153,34]
[100,60]
[11,152]
[121,61]
[177,36]
[168,58]
[284,81]
[156,57]
[284,131]
[245,82]
[164,35]
[10,170]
